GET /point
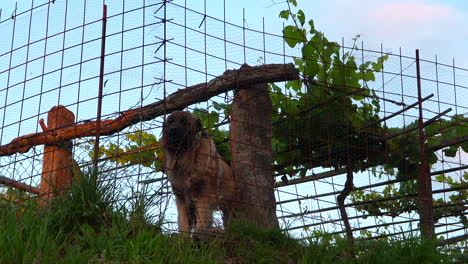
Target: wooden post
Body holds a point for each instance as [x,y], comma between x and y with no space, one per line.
[57,162]
[252,157]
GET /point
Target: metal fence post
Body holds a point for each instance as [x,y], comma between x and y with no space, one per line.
[101,84]
[424,179]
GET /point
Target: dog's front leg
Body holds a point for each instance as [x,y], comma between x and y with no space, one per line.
[204,213]
[183,217]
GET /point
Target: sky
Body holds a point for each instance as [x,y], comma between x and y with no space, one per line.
[435,27]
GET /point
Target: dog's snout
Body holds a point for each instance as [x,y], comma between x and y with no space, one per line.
[172,130]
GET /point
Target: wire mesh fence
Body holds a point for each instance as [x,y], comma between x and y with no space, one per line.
[53,53]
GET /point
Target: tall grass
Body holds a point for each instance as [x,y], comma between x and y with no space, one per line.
[86,226]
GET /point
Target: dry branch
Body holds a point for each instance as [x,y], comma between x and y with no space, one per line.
[341,205]
[230,80]
[312,177]
[425,124]
[449,142]
[19,185]
[453,240]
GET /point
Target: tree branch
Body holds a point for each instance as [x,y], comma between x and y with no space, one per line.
[341,205]
[453,240]
[230,80]
[19,185]
[449,142]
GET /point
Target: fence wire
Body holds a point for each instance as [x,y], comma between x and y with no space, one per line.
[50,54]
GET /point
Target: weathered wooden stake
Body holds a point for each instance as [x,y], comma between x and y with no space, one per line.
[57,162]
[252,157]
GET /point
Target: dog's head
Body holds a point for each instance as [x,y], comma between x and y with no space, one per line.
[180,130]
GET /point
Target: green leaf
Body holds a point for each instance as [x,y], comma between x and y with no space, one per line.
[295,85]
[293,35]
[220,106]
[432,130]
[432,142]
[464,147]
[312,27]
[310,55]
[440,178]
[451,152]
[301,17]
[298,62]
[378,66]
[294,2]
[284,14]
[461,129]
[217,106]
[275,88]
[375,103]
[309,51]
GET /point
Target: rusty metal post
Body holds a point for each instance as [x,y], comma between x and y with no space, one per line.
[101,84]
[424,179]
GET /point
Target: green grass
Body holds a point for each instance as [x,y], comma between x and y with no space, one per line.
[84,227]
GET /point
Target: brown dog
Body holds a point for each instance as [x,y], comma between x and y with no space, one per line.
[200,179]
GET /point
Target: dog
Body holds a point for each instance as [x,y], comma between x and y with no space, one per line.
[201,181]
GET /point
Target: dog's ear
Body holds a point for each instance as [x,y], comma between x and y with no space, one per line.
[198,125]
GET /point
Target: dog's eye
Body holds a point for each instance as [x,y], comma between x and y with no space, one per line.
[183,121]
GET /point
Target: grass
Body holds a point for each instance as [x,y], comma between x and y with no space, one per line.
[85,227]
